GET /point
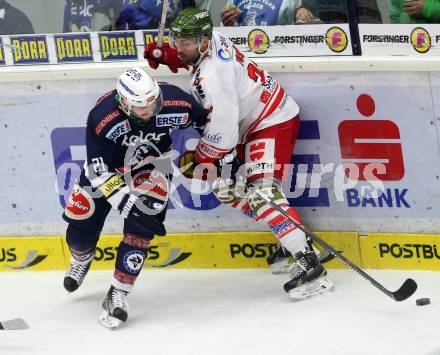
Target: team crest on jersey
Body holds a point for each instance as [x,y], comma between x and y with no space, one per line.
[141,156]
[172,120]
[118,130]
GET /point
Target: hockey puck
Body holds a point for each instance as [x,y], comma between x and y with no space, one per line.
[423,301]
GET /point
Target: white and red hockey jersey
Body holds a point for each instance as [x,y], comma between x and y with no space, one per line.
[241,97]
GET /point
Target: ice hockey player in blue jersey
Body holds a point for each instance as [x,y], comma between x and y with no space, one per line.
[128,168]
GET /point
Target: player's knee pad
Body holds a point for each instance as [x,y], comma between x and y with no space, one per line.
[131,256]
[271,189]
[80,206]
[227,193]
[85,211]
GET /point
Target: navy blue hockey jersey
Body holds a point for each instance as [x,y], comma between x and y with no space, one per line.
[117,144]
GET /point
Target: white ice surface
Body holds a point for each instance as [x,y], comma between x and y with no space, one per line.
[221,312]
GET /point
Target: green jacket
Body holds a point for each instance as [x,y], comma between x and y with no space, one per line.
[431,12]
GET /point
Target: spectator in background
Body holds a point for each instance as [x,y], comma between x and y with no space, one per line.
[258,12]
[13,21]
[145,14]
[90,15]
[335,11]
[368,11]
[415,11]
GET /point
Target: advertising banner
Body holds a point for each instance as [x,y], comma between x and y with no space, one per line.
[366,158]
[271,41]
[73,47]
[396,39]
[400,251]
[371,157]
[291,41]
[184,251]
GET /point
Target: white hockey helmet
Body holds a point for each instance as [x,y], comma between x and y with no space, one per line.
[138,88]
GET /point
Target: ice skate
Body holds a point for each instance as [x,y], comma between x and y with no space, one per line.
[115,307]
[309,277]
[282,262]
[77,272]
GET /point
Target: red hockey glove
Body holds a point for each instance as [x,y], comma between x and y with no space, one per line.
[165,55]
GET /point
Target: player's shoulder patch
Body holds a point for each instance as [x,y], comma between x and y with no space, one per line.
[107,120]
[223,48]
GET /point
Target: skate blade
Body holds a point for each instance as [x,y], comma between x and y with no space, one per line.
[322,285]
[108,321]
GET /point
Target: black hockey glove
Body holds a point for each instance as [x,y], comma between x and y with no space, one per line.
[142,211]
[227,167]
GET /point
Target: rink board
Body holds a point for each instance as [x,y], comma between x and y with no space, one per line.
[349,121]
[226,251]
[386,251]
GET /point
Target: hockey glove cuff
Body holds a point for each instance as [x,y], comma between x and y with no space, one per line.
[166,55]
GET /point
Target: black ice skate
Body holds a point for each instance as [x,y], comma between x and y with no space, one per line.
[309,277]
[115,307]
[281,261]
[77,271]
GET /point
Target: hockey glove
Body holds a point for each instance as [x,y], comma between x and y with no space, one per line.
[227,167]
[193,170]
[141,210]
[165,55]
[187,163]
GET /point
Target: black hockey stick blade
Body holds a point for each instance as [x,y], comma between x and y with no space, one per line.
[325,256]
[14,324]
[406,290]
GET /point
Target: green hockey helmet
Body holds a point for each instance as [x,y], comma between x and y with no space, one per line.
[192,22]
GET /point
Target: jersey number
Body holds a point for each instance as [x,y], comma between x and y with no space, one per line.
[255,73]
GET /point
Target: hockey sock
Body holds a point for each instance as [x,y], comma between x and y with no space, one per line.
[81,243]
[291,238]
[132,253]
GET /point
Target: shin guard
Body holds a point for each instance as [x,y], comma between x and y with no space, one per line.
[131,256]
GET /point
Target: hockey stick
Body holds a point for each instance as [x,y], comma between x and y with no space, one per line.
[14,324]
[157,52]
[405,291]
[163,20]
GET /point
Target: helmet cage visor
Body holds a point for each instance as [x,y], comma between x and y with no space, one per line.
[183,43]
[155,103]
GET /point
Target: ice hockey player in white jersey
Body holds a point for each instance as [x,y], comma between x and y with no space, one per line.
[250,135]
